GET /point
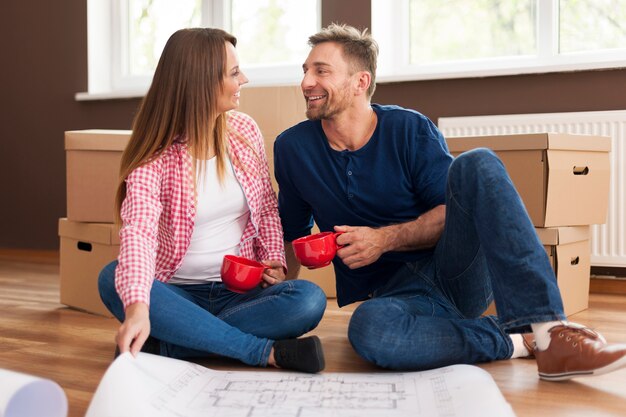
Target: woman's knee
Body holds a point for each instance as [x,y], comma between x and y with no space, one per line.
[106,279]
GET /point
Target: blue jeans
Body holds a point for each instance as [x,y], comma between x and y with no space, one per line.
[428,314]
[199,320]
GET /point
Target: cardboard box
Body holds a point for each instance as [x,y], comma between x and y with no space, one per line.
[93,162]
[563,179]
[570,256]
[274,109]
[85,249]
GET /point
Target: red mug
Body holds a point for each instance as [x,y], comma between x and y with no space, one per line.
[241,274]
[318,250]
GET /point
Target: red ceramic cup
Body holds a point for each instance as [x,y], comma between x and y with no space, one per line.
[316,251]
[241,274]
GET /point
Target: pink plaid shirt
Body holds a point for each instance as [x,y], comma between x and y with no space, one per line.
[159,211]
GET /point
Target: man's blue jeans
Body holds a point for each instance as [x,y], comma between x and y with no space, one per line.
[198,320]
[428,314]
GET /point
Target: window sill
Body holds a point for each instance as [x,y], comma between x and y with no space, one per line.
[138,93]
[479,69]
[112,95]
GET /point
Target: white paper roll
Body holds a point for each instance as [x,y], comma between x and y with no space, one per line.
[23,395]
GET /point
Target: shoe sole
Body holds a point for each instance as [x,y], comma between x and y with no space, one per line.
[620,363]
[320,353]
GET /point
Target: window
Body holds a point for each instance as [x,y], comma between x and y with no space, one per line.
[148,26]
[126,38]
[428,39]
[592,25]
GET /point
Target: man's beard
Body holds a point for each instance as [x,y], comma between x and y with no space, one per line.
[329,109]
[323,112]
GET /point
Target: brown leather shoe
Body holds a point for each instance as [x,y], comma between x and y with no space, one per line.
[529,344]
[577,351]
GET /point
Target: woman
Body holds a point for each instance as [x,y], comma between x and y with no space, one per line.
[196,186]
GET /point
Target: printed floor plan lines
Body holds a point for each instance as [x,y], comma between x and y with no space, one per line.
[162,387]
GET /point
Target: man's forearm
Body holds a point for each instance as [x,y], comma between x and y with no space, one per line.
[365,245]
[293,266]
[421,233]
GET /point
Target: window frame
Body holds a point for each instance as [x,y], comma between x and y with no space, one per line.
[107,51]
[394,63]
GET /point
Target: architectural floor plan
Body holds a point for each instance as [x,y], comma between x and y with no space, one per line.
[157,386]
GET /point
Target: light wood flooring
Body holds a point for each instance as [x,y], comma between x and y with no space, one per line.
[39,336]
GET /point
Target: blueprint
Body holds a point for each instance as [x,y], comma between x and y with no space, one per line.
[158,386]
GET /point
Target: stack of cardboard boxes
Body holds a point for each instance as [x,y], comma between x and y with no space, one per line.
[89,235]
[563,180]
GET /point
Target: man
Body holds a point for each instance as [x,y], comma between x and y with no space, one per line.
[428,241]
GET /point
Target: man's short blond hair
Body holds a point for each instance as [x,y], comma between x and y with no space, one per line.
[359,48]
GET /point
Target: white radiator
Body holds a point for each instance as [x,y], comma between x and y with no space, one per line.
[608,241]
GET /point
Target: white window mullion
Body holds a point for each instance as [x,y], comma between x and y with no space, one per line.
[403,55]
[206,13]
[119,38]
[547,30]
[216,13]
[99,46]
[393,43]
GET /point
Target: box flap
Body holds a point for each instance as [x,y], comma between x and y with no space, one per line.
[578,188]
[498,142]
[97,139]
[566,141]
[530,141]
[562,235]
[104,233]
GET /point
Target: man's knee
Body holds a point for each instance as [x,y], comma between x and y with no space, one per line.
[474,160]
[476,168]
[312,303]
[359,327]
[369,327]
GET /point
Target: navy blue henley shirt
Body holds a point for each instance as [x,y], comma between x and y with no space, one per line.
[399,174]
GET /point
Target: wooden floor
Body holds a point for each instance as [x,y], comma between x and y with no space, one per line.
[39,336]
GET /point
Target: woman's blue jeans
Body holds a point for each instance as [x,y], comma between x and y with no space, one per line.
[428,314]
[198,320]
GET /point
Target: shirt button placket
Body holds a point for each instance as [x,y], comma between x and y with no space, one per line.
[349,179]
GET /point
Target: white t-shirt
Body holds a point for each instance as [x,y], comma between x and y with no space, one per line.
[221,216]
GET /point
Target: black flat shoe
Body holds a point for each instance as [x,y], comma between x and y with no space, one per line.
[304,355]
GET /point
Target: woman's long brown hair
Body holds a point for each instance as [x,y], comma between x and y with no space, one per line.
[181,103]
